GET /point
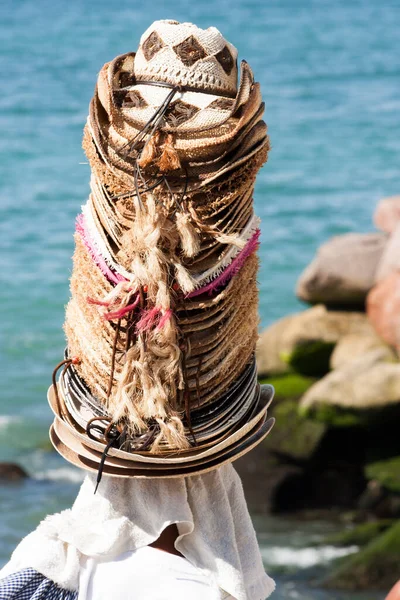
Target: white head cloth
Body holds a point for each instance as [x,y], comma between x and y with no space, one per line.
[215,530]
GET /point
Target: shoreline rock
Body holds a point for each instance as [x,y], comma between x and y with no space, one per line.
[312,332]
[370,381]
[333,279]
[12,472]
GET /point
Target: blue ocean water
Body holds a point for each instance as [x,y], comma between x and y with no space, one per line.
[329,73]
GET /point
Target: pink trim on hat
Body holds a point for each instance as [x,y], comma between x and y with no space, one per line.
[232,269]
[99,260]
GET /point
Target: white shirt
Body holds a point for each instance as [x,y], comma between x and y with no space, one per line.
[146,574]
[126,515]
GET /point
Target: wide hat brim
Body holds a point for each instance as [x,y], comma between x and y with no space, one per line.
[76,447]
[85,458]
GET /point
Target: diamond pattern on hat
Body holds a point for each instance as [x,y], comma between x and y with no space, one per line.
[190,51]
[152,45]
[221,104]
[224,57]
[185,55]
[129,99]
[134,99]
[180,112]
[126,79]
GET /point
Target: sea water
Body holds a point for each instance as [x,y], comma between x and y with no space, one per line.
[329,73]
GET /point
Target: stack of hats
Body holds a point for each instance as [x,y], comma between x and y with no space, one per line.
[159,377]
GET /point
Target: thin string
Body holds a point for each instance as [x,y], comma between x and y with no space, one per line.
[151,124]
[67,362]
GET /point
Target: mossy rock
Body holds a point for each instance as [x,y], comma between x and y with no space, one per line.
[290,386]
[294,437]
[380,419]
[334,416]
[359,535]
[387,472]
[310,358]
[375,566]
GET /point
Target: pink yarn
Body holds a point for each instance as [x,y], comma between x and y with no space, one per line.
[99,260]
[96,302]
[148,319]
[232,269]
[121,312]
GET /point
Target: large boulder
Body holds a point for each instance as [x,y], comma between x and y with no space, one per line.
[355,345]
[383,308]
[343,270]
[387,214]
[390,259]
[368,382]
[315,331]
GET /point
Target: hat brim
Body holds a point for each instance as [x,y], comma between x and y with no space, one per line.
[81,457]
[175,456]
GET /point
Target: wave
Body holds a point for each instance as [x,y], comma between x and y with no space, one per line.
[62,474]
[303,558]
[6,420]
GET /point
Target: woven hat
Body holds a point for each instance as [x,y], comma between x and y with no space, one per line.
[159,376]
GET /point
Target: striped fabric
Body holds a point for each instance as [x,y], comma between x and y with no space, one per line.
[28,584]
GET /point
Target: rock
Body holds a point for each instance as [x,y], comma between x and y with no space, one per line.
[390,259]
[355,345]
[386,472]
[12,472]
[387,214]
[262,477]
[280,477]
[368,382]
[343,271]
[296,438]
[326,488]
[371,497]
[290,386]
[279,341]
[375,566]
[383,308]
[389,508]
[310,358]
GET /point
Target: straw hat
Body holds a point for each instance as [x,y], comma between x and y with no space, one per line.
[159,376]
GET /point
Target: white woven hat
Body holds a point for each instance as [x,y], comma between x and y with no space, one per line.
[175,55]
[184,54]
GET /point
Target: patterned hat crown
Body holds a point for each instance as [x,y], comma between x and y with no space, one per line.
[184,54]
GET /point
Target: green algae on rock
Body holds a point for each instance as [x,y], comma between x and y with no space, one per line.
[314,325]
[360,535]
[310,358]
[386,472]
[375,566]
[299,438]
[290,386]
